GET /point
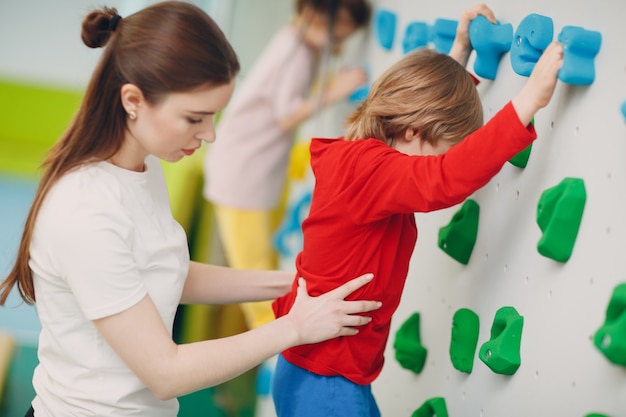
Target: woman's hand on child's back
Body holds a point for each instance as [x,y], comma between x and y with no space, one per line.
[538,90]
[316,319]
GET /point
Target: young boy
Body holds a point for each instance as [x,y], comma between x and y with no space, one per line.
[416,144]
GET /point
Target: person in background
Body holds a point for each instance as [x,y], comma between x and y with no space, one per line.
[102,257]
[246,168]
[416,144]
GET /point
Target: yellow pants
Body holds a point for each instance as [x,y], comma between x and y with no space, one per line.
[247,239]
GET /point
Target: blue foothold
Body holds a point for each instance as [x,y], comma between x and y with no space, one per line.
[443,34]
[490,41]
[624,109]
[532,37]
[385,28]
[580,46]
[359,94]
[287,240]
[416,36]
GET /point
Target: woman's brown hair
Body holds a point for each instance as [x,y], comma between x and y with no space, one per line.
[168,47]
[427,91]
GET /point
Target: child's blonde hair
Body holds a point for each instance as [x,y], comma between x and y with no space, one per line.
[427,91]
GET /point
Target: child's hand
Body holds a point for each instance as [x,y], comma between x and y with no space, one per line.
[539,88]
[346,81]
[462,47]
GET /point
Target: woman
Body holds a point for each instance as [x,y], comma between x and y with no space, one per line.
[101,255]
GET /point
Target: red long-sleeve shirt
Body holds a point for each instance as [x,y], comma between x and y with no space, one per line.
[362,220]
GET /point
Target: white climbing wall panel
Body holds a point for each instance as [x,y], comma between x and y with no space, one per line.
[582,134]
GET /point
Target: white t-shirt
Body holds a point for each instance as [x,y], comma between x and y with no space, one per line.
[104,238]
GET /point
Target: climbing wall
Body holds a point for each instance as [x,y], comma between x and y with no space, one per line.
[515,304]
[517,282]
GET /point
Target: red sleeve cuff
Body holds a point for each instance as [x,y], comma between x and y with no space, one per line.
[512,115]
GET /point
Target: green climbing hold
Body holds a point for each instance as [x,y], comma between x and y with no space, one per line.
[502,352]
[457,239]
[520,159]
[559,214]
[610,338]
[435,406]
[465,328]
[410,353]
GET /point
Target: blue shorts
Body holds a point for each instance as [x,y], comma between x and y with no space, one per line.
[300,393]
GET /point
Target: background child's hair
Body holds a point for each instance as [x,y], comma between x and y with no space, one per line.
[359,10]
[427,91]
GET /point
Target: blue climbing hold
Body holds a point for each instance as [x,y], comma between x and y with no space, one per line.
[624,109]
[287,239]
[443,34]
[532,37]
[385,28]
[580,47]
[416,36]
[490,41]
[359,94]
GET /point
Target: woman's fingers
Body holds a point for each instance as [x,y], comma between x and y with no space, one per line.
[340,293]
[350,286]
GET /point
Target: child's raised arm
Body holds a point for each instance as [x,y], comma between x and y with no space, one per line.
[539,88]
[461,47]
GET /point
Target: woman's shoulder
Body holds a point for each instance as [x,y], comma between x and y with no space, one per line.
[89,181]
[285,47]
[84,200]
[91,190]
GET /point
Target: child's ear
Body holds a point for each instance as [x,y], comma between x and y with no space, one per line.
[411,134]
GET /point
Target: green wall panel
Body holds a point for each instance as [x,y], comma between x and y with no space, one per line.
[32,118]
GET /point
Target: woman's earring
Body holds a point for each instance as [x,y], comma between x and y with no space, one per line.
[132,115]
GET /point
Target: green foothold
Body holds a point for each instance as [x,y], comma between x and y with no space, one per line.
[465,327]
[435,406]
[596,415]
[457,239]
[610,338]
[559,213]
[502,352]
[520,159]
[409,350]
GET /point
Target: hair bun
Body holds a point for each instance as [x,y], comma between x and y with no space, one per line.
[98,26]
